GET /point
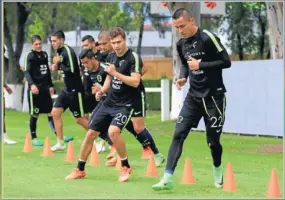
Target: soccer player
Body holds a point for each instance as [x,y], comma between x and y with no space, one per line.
[40,87]
[72,95]
[7,140]
[116,110]
[203,58]
[136,125]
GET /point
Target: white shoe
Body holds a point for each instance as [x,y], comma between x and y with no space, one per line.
[8,141]
[100,146]
[58,147]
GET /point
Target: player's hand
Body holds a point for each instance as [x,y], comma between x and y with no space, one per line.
[99,95]
[53,67]
[193,63]
[34,89]
[56,59]
[180,82]
[95,89]
[111,70]
[8,89]
[51,91]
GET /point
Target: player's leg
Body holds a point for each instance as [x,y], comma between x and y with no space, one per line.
[214,118]
[188,118]
[60,105]
[120,117]
[34,110]
[98,122]
[77,109]
[6,139]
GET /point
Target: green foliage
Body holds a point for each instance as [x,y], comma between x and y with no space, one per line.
[36,28]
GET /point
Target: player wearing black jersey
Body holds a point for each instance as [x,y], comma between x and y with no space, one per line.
[203,59]
[116,110]
[72,95]
[40,86]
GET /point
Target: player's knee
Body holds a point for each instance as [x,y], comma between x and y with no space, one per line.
[91,135]
[55,114]
[79,120]
[213,144]
[180,135]
[139,129]
[113,134]
[35,116]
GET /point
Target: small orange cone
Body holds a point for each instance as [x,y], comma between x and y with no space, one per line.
[230,183]
[47,150]
[146,153]
[273,187]
[28,144]
[70,155]
[187,177]
[118,164]
[151,170]
[94,158]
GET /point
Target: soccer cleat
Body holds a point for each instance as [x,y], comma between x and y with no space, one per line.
[8,141]
[67,138]
[112,153]
[37,143]
[112,161]
[146,153]
[58,147]
[75,174]
[125,174]
[164,184]
[159,159]
[218,176]
[100,146]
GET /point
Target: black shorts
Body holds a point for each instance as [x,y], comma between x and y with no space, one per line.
[89,103]
[212,109]
[104,116]
[40,103]
[71,100]
[140,105]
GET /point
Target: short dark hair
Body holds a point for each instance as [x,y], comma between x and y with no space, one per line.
[103,33]
[88,37]
[35,37]
[86,53]
[116,31]
[59,34]
[181,12]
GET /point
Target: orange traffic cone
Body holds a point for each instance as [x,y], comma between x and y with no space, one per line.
[118,164]
[28,144]
[146,153]
[273,190]
[70,155]
[94,158]
[187,177]
[151,170]
[47,150]
[230,183]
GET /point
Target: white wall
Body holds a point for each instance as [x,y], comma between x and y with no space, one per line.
[255,98]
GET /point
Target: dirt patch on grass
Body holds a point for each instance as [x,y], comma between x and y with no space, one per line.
[264,148]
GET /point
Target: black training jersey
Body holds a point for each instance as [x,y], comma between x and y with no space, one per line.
[101,56]
[94,77]
[37,70]
[70,70]
[213,57]
[119,93]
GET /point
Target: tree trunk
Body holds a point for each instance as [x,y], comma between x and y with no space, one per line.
[240,47]
[141,28]
[275,24]
[179,96]
[262,25]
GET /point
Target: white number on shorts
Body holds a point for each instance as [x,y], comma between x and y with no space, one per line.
[121,118]
[217,120]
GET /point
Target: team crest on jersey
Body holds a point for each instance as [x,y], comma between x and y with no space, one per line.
[99,78]
[121,62]
[60,58]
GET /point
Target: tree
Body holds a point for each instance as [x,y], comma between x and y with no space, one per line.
[15,74]
[276,23]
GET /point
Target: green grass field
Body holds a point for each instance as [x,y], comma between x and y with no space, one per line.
[32,176]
